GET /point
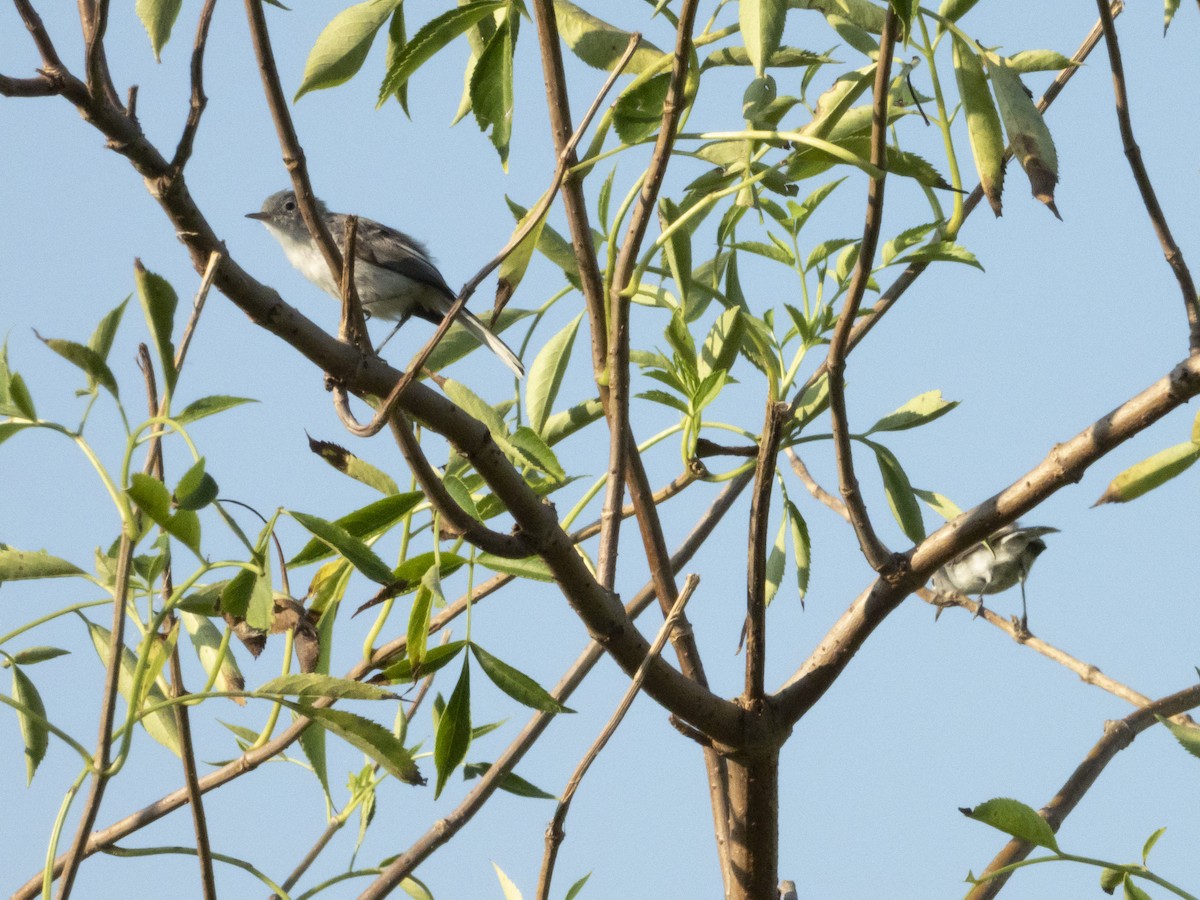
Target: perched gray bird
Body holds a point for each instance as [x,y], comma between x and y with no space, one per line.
[994,565]
[393,273]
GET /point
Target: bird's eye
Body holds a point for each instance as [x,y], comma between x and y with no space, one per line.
[290,205]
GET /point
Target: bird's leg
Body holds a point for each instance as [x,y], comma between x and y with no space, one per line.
[391,334]
[1024,624]
[979,608]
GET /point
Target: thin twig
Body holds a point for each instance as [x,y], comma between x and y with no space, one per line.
[877,555]
[565,157]
[554,831]
[756,566]
[1117,736]
[1133,153]
[453,517]
[616,397]
[94,16]
[183,150]
[197,307]
[41,39]
[352,328]
[819,493]
[41,86]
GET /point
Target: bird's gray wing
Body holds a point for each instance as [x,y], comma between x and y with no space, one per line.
[396,251]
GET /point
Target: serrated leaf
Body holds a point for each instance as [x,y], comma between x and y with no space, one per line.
[158,17]
[1027,133]
[354,550]
[370,737]
[801,546]
[516,684]
[453,733]
[901,499]
[905,239]
[563,424]
[782,58]
[532,567]
[367,522]
[983,122]
[547,373]
[151,497]
[920,410]
[536,452]
[942,251]
[507,887]
[159,724]
[429,39]
[342,45]
[492,86]
[33,732]
[397,39]
[87,359]
[403,670]
[196,489]
[21,565]
[1015,819]
[352,466]
[209,406]
[311,685]
[1150,473]
[159,302]
[512,782]
[1187,735]
[599,44]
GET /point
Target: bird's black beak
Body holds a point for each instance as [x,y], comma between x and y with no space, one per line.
[261,216]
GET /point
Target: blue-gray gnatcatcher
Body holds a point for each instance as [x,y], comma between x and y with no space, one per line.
[393,273]
[994,565]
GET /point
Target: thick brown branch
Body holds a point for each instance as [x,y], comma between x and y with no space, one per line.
[756,566]
[1174,256]
[876,554]
[1117,736]
[41,86]
[1065,464]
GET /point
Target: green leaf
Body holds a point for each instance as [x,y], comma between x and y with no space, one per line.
[577,887]
[312,685]
[862,13]
[1027,132]
[1110,879]
[507,886]
[209,406]
[942,251]
[801,546]
[1187,735]
[342,45]
[19,400]
[537,453]
[160,724]
[1170,7]
[196,489]
[953,10]
[983,122]
[1015,819]
[397,40]
[429,39]
[905,239]
[761,22]
[492,86]
[547,373]
[943,506]
[370,737]
[151,497]
[33,732]
[453,735]
[206,640]
[158,17]
[418,619]
[901,499]
[678,248]
[782,58]
[1155,471]
[87,359]
[159,302]
[367,522]
[476,407]
[352,549]
[776,563]
[920,410]
[1149,845]
[1039,61]
[1132,891]
[403,670]
[354,467]
[512,782]
[32,655]
[563,424]
[513,266]
[638,111]
[516,684]
[21,565]
[532,567]
[599,44]
[723,343]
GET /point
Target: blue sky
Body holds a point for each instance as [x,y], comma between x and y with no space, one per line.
[1070,319]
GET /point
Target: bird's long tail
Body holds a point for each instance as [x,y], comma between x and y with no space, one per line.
[481,333]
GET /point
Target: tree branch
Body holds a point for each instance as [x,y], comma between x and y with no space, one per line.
[877,555]
[1117,736]
[1064,465]
[819,493]
[1174,256]
[183,150]
[756,566]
